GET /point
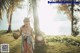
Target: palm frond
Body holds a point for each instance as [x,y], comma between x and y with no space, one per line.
[8,4]
[65,8]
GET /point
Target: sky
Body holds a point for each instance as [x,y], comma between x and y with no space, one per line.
[51,21]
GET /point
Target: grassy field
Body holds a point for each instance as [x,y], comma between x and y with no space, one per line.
[53,44]
[63,44]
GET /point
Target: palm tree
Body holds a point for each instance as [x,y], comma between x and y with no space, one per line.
[38,33]
[9,6]
[3,6]
[13,5]
[33,7]
[69,10]
[66,9]
[35,15]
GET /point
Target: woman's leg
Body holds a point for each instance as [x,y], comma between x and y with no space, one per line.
[25,47]
[29,47]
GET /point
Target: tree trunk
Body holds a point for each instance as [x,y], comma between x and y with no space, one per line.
[9,17]
[38,43]
[9,26]
[35,15]
[0,14]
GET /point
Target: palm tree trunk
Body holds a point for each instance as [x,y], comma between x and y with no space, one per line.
[35,15]
[9,20]
[9,26]
[0,14]
[38,42]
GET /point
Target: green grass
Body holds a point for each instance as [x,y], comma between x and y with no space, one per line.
[58,44]
[57,47]
[52,45]
[14,43]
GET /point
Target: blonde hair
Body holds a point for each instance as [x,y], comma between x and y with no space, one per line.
[26,19]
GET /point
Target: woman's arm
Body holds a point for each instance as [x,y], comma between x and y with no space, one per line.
[32,34]
[20,31]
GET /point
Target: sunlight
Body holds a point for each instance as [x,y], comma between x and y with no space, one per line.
[50,21]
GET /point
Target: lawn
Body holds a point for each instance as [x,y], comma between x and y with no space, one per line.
[53,44]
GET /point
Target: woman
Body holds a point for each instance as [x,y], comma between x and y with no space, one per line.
[27,35]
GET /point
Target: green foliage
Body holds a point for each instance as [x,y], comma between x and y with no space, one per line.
[66,40]
[69,10]
[6,4]
[55,44]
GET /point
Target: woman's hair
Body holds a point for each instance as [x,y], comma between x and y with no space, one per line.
[26,19]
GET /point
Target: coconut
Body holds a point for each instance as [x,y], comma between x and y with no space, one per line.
[16,35]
